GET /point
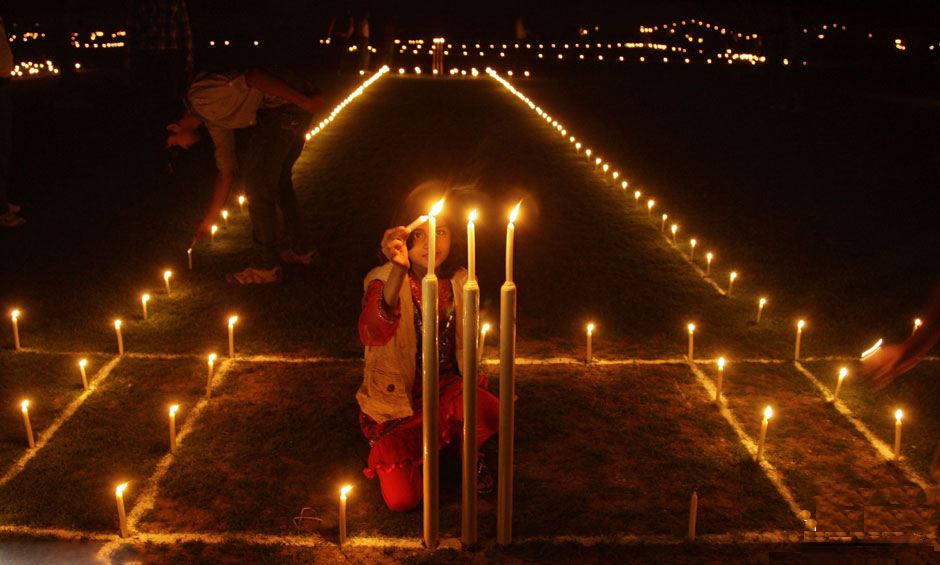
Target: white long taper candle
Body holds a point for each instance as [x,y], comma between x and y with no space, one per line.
[768,413]
[472,247]
[122,516]
[144,299]
[693,515]
[721,378]
[232,320]
[471,358]
[898,414]
[417,222]
[691,328]
[343,494]
[173,409]
[588,352]
[210,372]
[24,407]
[167,275]
[430,397]
[842,374]
[120,338]
[799,338]
[507,393]
[82,363]
[760,309]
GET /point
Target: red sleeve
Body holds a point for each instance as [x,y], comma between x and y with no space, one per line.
[377,323]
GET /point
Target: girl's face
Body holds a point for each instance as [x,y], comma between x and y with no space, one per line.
[418,254]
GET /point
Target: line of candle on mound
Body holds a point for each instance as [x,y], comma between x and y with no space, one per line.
[843,372]
[173,409]
[917,324]
[872,350]
[24,407]
[898,414]
[231,336]
[471,362]
[692,243]
[674,229]
[708,262]
[721,376]
[691,328]
[507,391]
[241,203]
[649,207]
[800,324]
[82,364]
[589,353]
[768,413]
[760,309]
[339,107]
[483,331]
[225,217]
[15,317]
[122,516]
[212,232]
[662,224]
[210,373]
[732,276]
[343,495]
[189,258]
[430,372]
[120,338]
[144,299]
[693,515]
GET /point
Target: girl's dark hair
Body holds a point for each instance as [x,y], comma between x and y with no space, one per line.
[420,200]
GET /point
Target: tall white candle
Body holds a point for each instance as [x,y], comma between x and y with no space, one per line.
[799,338]
[231,336]
[472,246]
[120,338]
[768,413]
[122,516]
[721,377]
[24,407]
[82,363]
[173,409]
[166,280]
[760,309]
[430,383]
[15,316]
[144,299]
[898,414]
[842,374]
[588,353]
[343,494]
[507,394]
[691,328]
[510,233]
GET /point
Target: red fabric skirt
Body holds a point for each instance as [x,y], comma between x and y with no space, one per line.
[397,445]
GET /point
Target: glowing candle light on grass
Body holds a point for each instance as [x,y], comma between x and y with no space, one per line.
[225,217]
[768,413]
[720,379]
[15,317]
[212,232]
[173,409]
[606,167]
[120,338]
[189,258]
[241,203]
[692,243]
[343,494]
[649,207]
[662,224]
[917,324]
[231,336]
[691,328]
[799,339]
[144,299]
[210,373]
[674,229]
[708,262]
[24,407]
[587,153]
[636,197]
[122,516]
[843,372]
[760,309]
[167,275]
[898,414]
[82,364]
[731,278]
[589,354]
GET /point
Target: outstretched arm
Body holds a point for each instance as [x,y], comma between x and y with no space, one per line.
[274,86]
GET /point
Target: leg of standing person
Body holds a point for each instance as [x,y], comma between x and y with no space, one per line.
[296,124]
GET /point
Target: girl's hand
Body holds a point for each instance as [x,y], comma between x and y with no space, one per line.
[394,248]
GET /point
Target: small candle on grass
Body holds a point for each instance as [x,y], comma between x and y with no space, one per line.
[231,336]
[898,414]
[636,197]
[708,262]
[588,353]
[343,494]
[483,331]
[692,243]
[225,218]
[122,516]
[768,413]
[731,278]
[691,328]
[760,309]
[719,381]
[167,275]
[210,373]
[144,299]
[843,372]
[24,407]
[15,316]
[241,203]
[917,324]
[662,224]
[212,232]
[189,258]
[120,338]
[799,339]
[674,229]
[82,364]
[649,207]
[173,409]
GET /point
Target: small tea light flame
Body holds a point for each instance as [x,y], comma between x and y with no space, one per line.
[15,314]
[898,414]
[232,320]
[768,412]
[24,406]
[117,324]
[174,409]
[721,363]
[590,329]
[691,327]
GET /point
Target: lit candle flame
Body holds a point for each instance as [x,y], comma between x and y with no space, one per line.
[918,323]
[436,209]
[14,315]
[167,274]
[117,324]
[693,243]
[733,275]
[898,414]
[691,327]
[214,229]
[83,363]
[174,409]
[232,320]
[344,491]
[119,491]
[762,301]
[768,412]
[650,203]
[515,213]
[674,228]
[801,324]
[871,350]
[843,372]
[24,406]
[590,329]
[721,363]
[145,298]
[241,199]
[212,358]
[484,329]
[225,214]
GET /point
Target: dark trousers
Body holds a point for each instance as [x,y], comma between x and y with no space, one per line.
[6,142]
[275,143]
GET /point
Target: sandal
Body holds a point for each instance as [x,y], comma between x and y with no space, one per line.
[252,275]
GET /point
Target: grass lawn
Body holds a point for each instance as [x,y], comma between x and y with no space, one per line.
[590,445]
[117,435]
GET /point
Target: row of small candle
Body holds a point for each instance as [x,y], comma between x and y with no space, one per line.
[346,101]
